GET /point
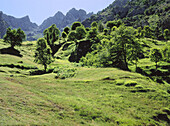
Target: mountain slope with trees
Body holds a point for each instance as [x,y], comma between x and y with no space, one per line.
[136,13]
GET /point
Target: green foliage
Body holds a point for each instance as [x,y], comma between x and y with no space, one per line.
[116,23]
[156,56]
[51,35]
[14,37]
[126,45]
[105,31]
[75,25]
[72,36]
[94,24]
[87,29]
[64,34]
[139,32]
[67,30]
[81,32]
[92,34]
[64,72]
[166,52]
[148,32]
[100,26]
[43,54]
[166,34]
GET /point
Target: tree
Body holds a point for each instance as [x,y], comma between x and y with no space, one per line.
[67,30]
[148,32]
[166,34]
[92,34]
[14,37]
[139,33]
[72,36]
[135,51]
[81,32]
[43,54]
[110,24]
[64,34]
[124,38]
[100,27]
[51,34]
[94,24]
[75,25]
[156,56]
[105,31]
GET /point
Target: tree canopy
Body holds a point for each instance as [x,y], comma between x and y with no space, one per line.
[43,54]
[14,37]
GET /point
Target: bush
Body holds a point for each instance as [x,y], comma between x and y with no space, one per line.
[130,83]
[119,82]
[64,73]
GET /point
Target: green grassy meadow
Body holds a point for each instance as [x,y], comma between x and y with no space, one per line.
[92,97]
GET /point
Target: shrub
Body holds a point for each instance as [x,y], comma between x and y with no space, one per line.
[130,83]
[119,82]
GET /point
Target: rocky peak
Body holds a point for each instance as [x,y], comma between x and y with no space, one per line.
[62,20]
[24,23]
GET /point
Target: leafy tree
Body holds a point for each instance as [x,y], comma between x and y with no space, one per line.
[124,38]
[64,35]
[135,51]
[100,27]
[87,29]
[166,34]
[72,36]
[92,34]
[148,32]
[51,34]
[105,31]
[110,24]
[166,53]
[94,24]
[116,23]
[67,30]
[75,25]
[81,32]
[43,54]
[14,37]
[156,56]
[139,32]
[114,28]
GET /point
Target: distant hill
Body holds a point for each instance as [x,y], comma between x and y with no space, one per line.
[3,26]
[24,23]
[62,20]
[135,13]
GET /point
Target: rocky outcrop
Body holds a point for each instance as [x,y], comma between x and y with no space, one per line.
[24,23]
[56,19]
[3,26]
[62,20]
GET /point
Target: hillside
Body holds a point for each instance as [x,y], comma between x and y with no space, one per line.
[136,13]
[75,95]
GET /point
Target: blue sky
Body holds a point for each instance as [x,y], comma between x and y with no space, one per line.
[38,10]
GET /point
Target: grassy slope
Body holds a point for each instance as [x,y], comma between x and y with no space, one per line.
[91,97]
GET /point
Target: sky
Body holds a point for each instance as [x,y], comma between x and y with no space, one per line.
[39,10]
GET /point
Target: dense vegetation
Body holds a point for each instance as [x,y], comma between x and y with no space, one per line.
[137,13]
[109,73]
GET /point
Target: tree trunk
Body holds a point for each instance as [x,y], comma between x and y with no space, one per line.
[45,67]
[156,65]
[12,45]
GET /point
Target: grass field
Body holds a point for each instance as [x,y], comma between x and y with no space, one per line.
[93,97]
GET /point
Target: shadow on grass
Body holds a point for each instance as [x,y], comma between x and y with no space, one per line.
[10,51]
